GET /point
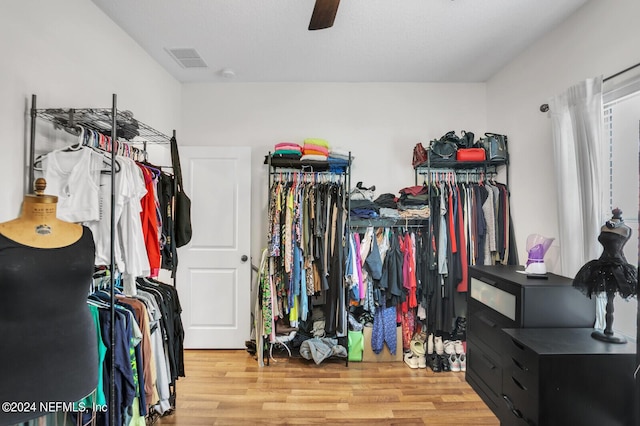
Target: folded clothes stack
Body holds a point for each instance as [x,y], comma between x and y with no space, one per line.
[338,160]
[387,200]
[340,154]
[315,149]
[289,150]
[361,205]
[363,209]
[414,202]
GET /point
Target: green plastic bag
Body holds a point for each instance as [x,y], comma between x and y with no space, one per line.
[356,345]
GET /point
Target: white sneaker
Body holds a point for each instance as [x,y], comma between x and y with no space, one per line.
[463,362]
[422,361]
[449,347]
[417,347]
[411,360]
[430,344]
[438,345]
[457,344]
[454,363]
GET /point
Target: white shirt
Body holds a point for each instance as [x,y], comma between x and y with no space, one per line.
[74,176]
[130,225]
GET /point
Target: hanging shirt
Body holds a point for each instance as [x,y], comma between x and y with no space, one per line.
[101,228]
[74,177]
[149,222]
[130,225]
[442,235]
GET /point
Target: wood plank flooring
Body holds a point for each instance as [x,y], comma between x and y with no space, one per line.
[227,387]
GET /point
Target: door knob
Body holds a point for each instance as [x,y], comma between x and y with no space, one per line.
[244,258]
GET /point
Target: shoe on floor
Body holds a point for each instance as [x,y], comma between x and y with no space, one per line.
[417,347]
[438,345]
[433,361]
[422,361]
[449,347]
[411,360]
[444,362]
[454,362]
[463,361]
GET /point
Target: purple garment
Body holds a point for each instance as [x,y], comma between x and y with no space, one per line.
[361,289]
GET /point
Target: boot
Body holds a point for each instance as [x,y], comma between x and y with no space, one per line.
[460,330]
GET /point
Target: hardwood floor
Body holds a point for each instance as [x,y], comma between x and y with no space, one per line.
[227,387]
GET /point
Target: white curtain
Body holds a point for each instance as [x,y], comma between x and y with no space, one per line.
[577,118]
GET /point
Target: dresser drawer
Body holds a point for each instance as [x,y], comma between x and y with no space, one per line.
[522,379]
[485,367]
[512,416]
[501,301]
[521,401]
[486,325]
[519,357]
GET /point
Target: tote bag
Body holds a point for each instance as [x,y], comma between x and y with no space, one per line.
[183,230]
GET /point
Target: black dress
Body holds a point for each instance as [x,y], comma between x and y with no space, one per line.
[610,273]
[48,340]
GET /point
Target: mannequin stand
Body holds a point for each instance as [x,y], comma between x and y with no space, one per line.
[608,335]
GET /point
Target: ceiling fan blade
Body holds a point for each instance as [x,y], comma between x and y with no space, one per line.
[324,13]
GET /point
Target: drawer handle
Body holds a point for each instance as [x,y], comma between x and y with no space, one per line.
[488,322]
[518,384]
[488,362]
[513,409]
[519,365]
[518,345]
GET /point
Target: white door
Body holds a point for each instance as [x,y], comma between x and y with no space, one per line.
[214,271]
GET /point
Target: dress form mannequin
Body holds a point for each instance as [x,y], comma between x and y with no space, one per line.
[611,274]
[38,225]
[49,338]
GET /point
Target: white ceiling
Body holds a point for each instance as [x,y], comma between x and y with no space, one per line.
[371,40]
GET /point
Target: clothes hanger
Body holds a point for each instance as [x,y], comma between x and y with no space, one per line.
[98,303]
[154,171]
[37,162]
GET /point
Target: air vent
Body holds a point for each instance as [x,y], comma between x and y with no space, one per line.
[187,58]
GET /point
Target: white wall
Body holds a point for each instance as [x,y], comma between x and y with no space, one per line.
[70,54]
[379,123]
[601,38]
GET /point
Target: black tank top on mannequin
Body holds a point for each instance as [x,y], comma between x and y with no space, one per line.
[48,341]
[610,273]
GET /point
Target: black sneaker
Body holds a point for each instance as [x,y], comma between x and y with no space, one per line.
[433,361]
[444,362]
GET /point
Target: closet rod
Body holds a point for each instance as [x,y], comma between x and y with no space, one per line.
[545,107]
[396,226]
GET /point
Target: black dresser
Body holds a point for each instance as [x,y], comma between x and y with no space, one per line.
[501,297]
[563,376]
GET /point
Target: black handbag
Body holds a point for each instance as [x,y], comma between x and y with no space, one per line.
[182,221]
[467,140]
[445,148]
[496,146]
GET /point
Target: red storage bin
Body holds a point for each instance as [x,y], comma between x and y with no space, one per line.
[471,154]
